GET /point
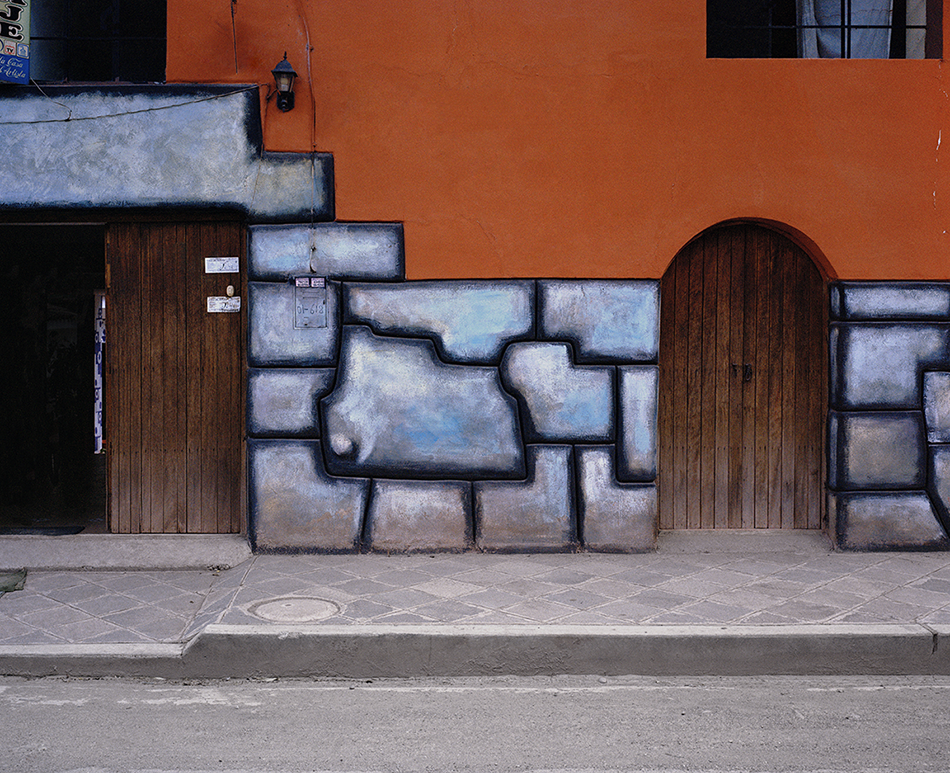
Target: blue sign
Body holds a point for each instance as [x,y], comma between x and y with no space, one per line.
[14,69]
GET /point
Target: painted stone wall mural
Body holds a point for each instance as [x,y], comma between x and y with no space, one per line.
[889,424]
[507,415]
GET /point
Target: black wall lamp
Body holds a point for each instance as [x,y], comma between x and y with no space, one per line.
[284,77]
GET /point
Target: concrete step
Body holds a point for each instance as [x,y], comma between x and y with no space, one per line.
[123,551]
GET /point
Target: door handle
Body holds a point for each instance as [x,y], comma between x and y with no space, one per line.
[746,371]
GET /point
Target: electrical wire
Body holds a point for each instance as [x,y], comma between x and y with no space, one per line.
[69,118]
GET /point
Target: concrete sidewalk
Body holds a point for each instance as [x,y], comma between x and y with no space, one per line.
[704,603]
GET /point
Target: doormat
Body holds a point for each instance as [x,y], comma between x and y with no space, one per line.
[12,580]
[47,531]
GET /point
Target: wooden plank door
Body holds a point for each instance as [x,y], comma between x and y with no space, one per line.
[174,414]
[743,374]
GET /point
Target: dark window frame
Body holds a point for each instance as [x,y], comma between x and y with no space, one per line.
[768,29]
[99,42]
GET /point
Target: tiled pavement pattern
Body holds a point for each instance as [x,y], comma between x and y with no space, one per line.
[778,588]
[106,607]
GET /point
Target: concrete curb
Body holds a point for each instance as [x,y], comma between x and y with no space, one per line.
[378,651]
[92,660]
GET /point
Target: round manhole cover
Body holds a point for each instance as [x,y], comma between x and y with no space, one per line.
[294,609]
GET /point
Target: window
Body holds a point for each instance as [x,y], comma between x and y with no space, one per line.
[97,40]
[835,29]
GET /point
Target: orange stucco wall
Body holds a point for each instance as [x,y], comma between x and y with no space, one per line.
[588,138]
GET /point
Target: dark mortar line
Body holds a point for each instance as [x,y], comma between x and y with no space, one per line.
[329,179]
[574,470]
[616,416]
[473,524]
[441,357]
[522,414]
[941,509]
[851,411]
[363,544]
[536,310]
[891,491]
[928,322]
[897,320]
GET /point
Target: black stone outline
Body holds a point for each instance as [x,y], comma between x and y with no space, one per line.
[260,276]
[836,479]
[530,432]
[941,508]
[841,525]
[529,336]
[620,460]
[366,543]
[249,93]
[573,533]
[344,469]
[837,383]
[583,359]
[333,359]
[612,451]
[252,509]
[306,212]
[253,373]
[841,312]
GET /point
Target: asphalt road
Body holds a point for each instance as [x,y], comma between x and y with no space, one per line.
[505,724]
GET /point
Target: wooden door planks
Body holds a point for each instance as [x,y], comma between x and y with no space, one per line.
[175,380]
[742,384]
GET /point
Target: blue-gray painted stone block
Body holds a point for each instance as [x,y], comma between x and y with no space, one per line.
[408,516]
[563,402]
[608,321]
[398,412]
[891,300]
[536,514]
[336,250]
[165,146]
[886,521]
[877,451]
[937,406]
[295,505]
[834,301]
[470,321]
[637,449]
[272,338]
[284,401]
[939,482]
[617,517]
[878,366]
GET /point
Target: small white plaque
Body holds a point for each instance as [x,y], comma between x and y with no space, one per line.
[222,266]
[223,304]
[310,302]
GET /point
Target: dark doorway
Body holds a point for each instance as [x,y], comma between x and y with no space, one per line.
[51,478]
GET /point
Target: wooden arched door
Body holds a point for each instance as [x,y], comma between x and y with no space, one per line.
[743,374]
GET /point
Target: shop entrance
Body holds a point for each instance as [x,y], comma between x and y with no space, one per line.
[743,383]
[52,475]
[144,433]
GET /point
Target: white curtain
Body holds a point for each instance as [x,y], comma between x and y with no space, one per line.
[916,17]
[827,42]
